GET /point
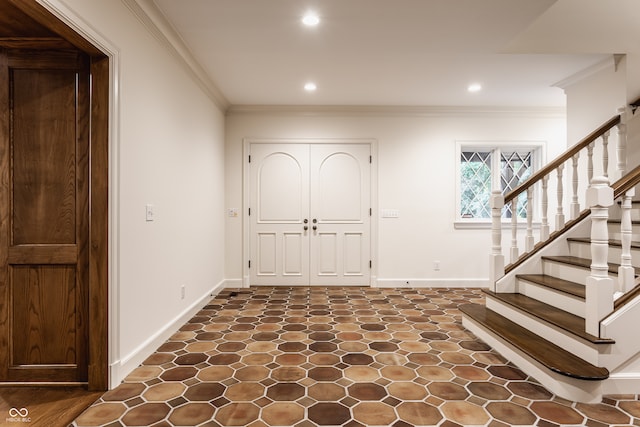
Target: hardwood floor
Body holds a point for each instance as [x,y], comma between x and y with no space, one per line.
[43,406]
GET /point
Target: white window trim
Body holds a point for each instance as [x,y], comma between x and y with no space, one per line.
[539,158]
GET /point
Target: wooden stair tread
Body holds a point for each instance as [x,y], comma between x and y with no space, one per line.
[612,242]
[550,314]
[556,283]
[584,263]
[545,352]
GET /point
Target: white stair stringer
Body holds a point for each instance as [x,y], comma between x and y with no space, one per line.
[566,387]
[583,349]
[623,359]
[570,303]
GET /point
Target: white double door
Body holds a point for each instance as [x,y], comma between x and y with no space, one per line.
[310,214]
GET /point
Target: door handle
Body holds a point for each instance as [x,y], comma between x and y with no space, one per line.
[314,228]
[305,220]
[315,220]
[305,228]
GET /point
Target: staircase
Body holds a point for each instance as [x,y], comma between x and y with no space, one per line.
[540,313]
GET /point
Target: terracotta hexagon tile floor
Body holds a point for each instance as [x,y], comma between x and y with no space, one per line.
[347,357]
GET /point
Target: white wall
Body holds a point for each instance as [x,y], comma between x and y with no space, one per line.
[593,98]
[167,150]
[416,175]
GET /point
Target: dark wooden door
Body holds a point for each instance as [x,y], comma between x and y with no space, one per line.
[44,216]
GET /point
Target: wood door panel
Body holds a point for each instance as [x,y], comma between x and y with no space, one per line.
[43,254]
[44,156]
[44,213]
[43,304]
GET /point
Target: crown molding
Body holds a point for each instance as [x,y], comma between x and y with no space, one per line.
[154,20]
[608,62]
[400,111]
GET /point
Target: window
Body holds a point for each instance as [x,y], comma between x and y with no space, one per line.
[475,163]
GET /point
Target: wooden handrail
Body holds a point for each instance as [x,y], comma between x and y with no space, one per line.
[561,159]
[626,183]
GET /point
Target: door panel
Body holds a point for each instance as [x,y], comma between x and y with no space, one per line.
[44,212]
[292,260]
[280,188]
[43,159]
[266,254]
[279,182]
[326,250]
[42,297]
[340,203]
[354,253]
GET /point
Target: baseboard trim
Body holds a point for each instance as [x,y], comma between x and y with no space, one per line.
[233,283]
[119,369]
[622,383]
[432,283]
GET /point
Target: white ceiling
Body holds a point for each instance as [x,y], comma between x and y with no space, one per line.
[401,52]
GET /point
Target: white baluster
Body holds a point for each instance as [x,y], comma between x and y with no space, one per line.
[599,286]
[575,205]
[514,230]
[544,226]
[622,142]
[605,154]
[590,162]
[530,240]
[496,258]
[626,272]
[560,210]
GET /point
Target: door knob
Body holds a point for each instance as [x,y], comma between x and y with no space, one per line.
[305,228]
[315,220]
[314,228]
[306,220]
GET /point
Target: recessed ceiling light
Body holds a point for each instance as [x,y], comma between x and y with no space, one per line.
[474,87]
[310,19]
[310,87]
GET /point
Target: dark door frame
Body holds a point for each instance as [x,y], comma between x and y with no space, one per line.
[98,304]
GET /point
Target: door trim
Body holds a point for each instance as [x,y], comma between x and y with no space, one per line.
[105,108]
[246,236]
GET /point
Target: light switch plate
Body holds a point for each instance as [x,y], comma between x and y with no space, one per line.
[150,212]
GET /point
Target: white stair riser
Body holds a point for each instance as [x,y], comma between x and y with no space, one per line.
[565,271]
[615,212]
[614,231]
[583,250]
[570,303]
[569,342]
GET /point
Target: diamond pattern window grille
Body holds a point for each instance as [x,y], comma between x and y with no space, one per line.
[475,180]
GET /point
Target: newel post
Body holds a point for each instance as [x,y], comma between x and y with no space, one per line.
[496,258]
[599,286]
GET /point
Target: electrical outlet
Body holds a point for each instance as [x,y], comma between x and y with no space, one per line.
[436,265]
[183,291]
